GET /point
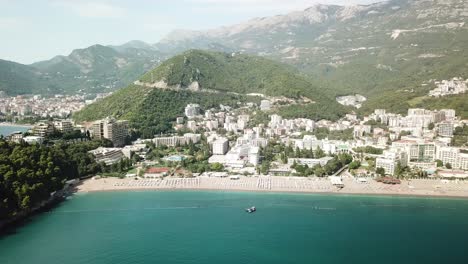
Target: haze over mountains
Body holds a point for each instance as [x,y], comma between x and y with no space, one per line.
[379,50]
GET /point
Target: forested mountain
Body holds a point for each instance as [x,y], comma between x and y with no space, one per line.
[17,78]
[99,68]
[210,79]
[94,69]
[239,73]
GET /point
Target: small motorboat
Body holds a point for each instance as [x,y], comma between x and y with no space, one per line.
[251,209]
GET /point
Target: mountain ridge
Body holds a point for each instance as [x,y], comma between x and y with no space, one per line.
[228,77]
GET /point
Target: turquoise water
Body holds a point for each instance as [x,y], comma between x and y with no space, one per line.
[212,227]
[7,130]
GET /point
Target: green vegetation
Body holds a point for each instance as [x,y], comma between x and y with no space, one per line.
[246,74]
[94,69]
[29,173]
[323,132]
[460,137]
[238,73]
[380,171]
[354,165]
[122,104]
[16,79]
[152,111]
[368,149]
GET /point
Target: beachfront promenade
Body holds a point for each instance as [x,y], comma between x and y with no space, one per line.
[424,187]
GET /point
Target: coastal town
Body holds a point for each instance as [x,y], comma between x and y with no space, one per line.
[252,147]
[32,107]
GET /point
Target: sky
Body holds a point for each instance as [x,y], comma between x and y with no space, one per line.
[34,30]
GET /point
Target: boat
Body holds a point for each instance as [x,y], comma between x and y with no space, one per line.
[251,209]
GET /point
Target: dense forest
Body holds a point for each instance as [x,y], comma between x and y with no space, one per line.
[30,173]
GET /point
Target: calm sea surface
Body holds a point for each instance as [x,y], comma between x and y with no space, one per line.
[212,227]
[7,130]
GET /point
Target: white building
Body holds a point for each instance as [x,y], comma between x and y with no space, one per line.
[220,146]
[33,139]
[107,155]
[114,130]
[445,129]
[63,126]
[265,105]
[43,129]
[254,156]
[454,156]
[390,160]
[174,140]
[192,125]
[192,110]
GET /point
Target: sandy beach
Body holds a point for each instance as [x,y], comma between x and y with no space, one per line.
[416,187]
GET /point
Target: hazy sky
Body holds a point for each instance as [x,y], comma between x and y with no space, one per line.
[33,30]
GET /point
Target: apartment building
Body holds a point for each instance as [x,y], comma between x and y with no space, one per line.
[114,130]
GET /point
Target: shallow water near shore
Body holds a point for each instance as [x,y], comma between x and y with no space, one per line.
[212,227]
[6,130]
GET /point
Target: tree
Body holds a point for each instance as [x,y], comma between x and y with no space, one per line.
[448,166]
[430,126]
[399,169]
[29,173]
[265,167]
[217,167]
[319,153]
[318,171]
[354,165]
[439,163]
[284,158]
[380,171]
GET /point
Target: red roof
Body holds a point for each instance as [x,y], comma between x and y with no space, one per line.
[157,170]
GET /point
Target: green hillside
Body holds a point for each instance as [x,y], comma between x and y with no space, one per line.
[17,79]
[98,68]
[151,110]
[237,73]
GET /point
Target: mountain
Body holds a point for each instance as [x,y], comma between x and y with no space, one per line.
[17,78]
[391,52]
[238,73]
[99,68]
[94,69]
[133,44]
[210,78]
[385,51]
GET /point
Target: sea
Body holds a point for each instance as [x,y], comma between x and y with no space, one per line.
[213,227]
[6,130]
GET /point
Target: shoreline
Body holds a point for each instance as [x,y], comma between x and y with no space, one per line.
[7,124]
[455,190]
[282,192]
